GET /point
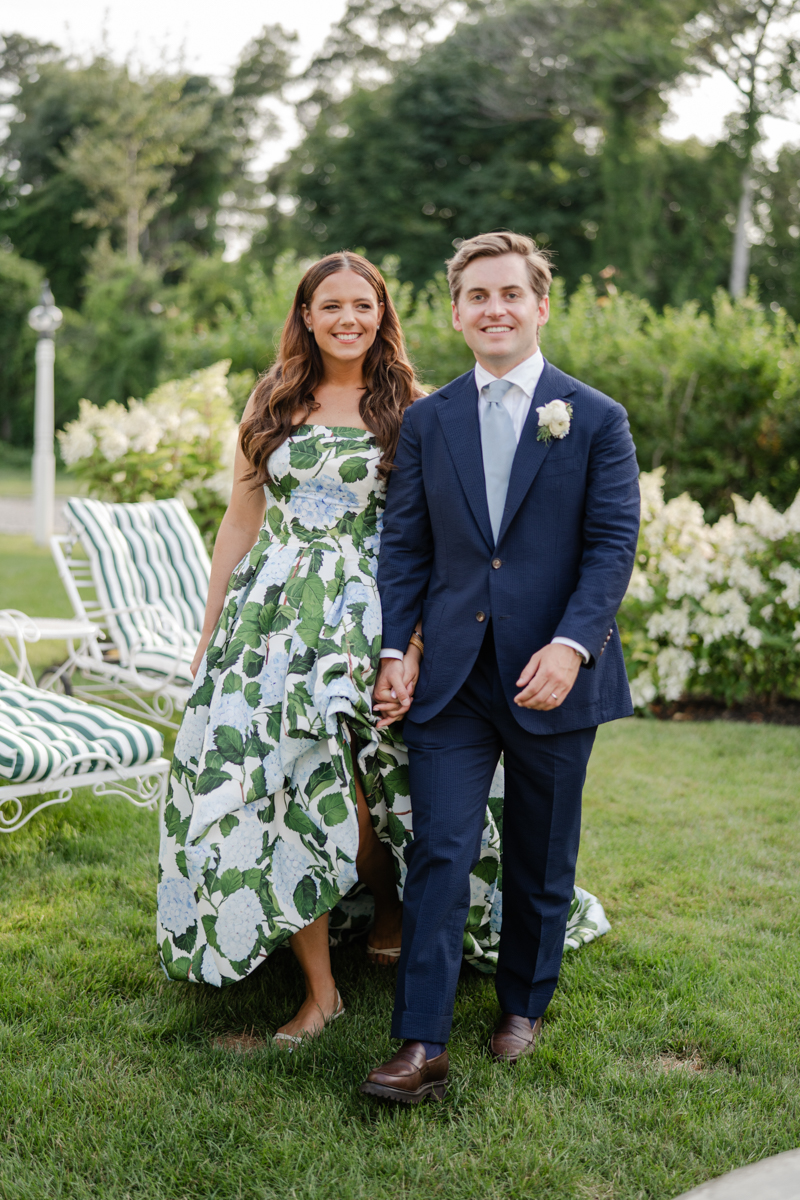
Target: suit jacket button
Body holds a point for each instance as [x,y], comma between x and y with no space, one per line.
[479,616]
[497,562]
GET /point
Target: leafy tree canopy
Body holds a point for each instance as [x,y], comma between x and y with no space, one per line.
[540,116]
[150,158]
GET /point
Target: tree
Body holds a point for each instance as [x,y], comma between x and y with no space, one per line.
[775,261]
[127,158]
[543,118]
[407,168]
[20,283]
[601,66]
[63,108]
[369,42]
[749,40]
[114,348]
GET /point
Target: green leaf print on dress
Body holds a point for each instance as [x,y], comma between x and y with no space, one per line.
[260,831]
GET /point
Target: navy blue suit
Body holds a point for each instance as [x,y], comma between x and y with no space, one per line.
[561,565]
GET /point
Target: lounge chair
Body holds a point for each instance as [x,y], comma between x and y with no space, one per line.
[55,743]
[142,581]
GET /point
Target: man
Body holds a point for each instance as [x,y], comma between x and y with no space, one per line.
[510,528]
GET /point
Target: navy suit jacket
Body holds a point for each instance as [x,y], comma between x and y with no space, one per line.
[565,550]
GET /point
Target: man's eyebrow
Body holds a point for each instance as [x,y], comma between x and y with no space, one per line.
[506,287]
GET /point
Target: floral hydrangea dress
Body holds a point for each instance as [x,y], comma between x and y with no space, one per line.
[260,831]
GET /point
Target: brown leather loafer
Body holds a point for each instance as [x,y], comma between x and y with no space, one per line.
[409,1077]
[514,1038]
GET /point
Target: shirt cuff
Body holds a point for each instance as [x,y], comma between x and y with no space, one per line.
[562,641]
[392,654]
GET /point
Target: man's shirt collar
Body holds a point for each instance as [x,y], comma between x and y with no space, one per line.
[525,375]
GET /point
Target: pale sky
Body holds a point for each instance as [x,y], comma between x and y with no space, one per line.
[212,35]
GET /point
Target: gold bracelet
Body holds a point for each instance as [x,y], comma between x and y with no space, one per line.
[416,640]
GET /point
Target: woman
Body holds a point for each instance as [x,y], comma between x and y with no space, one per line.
[286,791]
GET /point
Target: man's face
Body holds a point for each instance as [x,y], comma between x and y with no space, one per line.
[498,312]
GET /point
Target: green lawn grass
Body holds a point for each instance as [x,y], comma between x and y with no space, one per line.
[16,481]
[112,1086]
[29,582]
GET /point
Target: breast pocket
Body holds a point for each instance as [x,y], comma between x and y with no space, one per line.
[557,465]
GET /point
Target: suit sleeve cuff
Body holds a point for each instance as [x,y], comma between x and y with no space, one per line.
[562,641]
[392,654]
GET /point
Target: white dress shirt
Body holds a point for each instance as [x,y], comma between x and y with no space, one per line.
[517,400]
[517,403]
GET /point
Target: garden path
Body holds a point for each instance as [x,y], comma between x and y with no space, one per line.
[776,1178]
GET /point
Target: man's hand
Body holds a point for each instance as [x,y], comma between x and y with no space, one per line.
[394,690]
[548,678]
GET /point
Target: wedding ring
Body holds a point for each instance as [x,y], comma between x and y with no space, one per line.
[554,695]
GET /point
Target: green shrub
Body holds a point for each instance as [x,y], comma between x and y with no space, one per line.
[180,441]
[712,610]
[713,398]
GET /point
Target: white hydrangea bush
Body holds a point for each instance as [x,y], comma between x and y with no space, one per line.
[179,441]
[713,610]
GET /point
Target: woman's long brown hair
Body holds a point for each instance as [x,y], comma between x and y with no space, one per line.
[288,387]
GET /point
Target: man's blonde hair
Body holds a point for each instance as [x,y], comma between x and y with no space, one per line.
[492,245]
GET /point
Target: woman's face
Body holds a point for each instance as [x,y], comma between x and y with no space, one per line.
[344,316]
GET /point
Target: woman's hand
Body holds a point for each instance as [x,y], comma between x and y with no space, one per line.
[390,698]
[198,654]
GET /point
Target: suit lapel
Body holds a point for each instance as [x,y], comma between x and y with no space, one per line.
[458,414]
[531,453]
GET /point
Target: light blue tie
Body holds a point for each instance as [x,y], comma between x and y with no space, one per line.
[499,444]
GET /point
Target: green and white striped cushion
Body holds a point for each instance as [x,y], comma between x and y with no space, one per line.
[40,730]
[146,553]
[169,555]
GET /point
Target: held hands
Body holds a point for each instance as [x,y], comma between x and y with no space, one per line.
[394,687]
[548,678]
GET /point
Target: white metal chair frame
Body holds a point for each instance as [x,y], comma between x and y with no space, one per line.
[18,629]
[144,785]
[107,669]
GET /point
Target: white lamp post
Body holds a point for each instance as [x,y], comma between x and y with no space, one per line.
[45,319]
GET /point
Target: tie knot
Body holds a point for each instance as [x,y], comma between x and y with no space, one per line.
[495,390]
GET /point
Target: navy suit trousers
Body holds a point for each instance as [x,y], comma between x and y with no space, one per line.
[452,759]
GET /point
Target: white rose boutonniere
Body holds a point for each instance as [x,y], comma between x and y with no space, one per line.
[554,420]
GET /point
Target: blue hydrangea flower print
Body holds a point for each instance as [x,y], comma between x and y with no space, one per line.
[234,711]
[321,502]
[193,733]
[245,843]
[496,918]
[209,971]
[358,593]
[238,924]
[176,905]
[272,677]
[276,568]
[371,620]
[291,862]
